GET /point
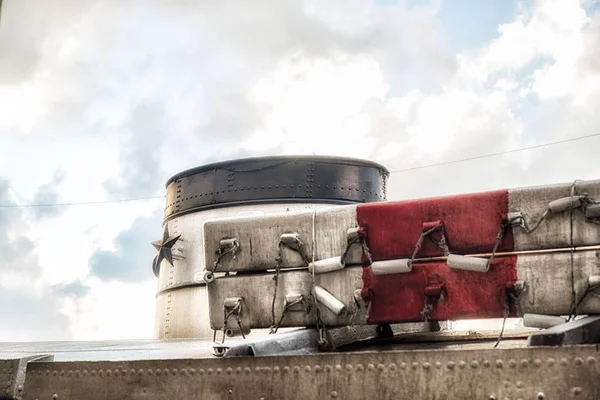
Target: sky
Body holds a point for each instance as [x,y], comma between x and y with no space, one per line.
[106,100]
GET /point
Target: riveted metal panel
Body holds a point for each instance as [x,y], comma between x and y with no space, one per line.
[12,375]
[276,179]
[523,373]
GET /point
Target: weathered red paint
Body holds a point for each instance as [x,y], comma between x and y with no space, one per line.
[471,223]
[453,294]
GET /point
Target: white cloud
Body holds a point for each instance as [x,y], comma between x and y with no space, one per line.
[122,104]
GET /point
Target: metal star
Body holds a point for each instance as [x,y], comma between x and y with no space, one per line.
[164,247]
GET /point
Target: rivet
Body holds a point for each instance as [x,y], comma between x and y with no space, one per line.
[579,361]
[238,370]
[537,362]
[328,368]
[55,396]
[426,365]
[524,363]
[415,365]
[474,364]
[158,372]
[451,364]
[85,372]
[576,390]
[541,396]
[392,367]
[591,360]
[296,370]
[20,388]
[62,372]
[403,365]
[551,362]
[487,364]
[338,367]
[174,371]
[371,367]
[360,368]
[381,367]
[192,371]
[317,368]
[349,367]
[140,372]
[461,364]
[275,370]
[492,397]
[520,385]
[334,394]
[438,365]
[101,372]
[512,363]
[564,362]
[507,384]
[230,370]
[256,370]
[247,370]
[219,371]
[307,368]
[149,372]
[230,391]
[201,371]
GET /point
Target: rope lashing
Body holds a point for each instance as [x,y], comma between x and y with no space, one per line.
[232,306]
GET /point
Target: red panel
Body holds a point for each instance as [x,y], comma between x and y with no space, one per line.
[471,223]
[464,294]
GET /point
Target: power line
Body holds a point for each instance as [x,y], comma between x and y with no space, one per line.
[81,203]
[495,154]
[85,203]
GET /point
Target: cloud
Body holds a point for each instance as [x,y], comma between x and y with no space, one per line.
[159,87]
[131,259]
[28,303]
[48,194]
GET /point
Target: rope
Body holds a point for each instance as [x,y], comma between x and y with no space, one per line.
[285,310]
[572,256]
[237,310]
[319,322]
[276,279]
[221,254]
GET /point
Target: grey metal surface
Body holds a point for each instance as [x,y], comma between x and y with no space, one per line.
[258,302]
[464,373]
[276,179]
[555,231]
[259,238]
[123,350]
[12,374]
[582,331]
[306,341]
[182,301]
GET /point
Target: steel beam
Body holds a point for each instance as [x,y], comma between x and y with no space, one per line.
[514,373]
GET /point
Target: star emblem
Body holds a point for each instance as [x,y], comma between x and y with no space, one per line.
[164,247]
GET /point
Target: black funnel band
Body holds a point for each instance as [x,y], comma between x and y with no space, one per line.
[308,179]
